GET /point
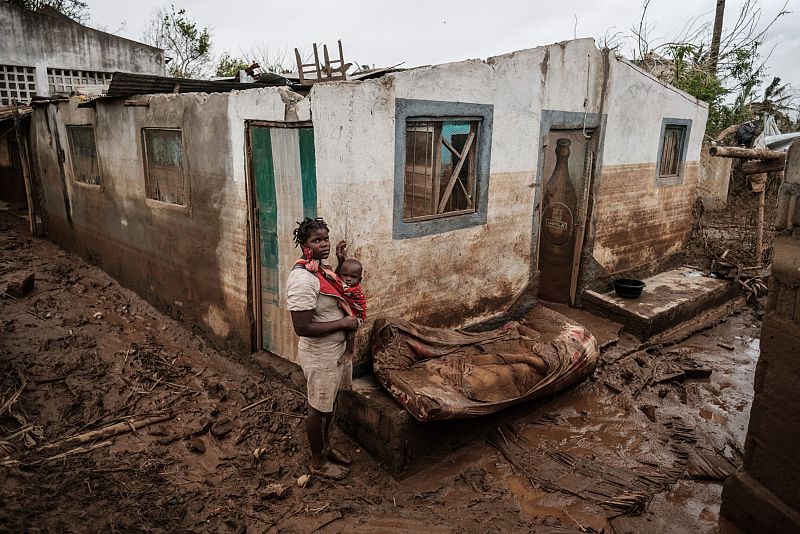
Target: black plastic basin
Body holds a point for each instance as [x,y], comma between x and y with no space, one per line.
[628,288]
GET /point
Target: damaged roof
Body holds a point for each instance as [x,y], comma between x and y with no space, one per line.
[124,84]
[7,112]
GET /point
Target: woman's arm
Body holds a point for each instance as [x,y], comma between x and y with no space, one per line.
[303,325]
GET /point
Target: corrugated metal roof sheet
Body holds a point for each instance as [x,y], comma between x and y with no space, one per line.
[124,85]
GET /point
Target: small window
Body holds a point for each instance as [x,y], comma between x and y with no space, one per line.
[84,154]
[439,168]
[164,166]
[672,151]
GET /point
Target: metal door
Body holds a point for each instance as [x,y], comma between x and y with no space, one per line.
[284,186]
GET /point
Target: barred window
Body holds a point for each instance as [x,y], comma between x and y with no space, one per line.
[84,154]
[439,168]
[165,179]
[672,151]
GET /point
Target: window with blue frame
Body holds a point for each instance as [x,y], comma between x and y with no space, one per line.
[672,149]
[442,161]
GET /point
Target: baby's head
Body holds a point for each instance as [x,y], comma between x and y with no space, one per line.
[351,272]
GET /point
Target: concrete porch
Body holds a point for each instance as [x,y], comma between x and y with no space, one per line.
[670,299]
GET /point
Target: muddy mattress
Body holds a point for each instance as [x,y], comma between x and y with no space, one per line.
[441,374]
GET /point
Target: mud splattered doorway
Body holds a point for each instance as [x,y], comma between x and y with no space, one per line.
[568,157]
[283,190]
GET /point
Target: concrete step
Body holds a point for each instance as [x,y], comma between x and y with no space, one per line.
[669,300]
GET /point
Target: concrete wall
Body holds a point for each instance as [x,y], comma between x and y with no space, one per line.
[466,275]
[190,261]
[50,41]
[638,225]
[714,180]
[764,495]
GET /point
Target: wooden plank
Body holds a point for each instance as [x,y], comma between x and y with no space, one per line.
[745,153]
[22,143]
[758,167]
[451,148]
[254,246]
[308,172]
[450,184]
[267,208]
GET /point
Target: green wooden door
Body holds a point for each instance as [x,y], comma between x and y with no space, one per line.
[285,182]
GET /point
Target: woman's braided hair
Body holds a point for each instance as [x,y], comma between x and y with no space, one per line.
[304,229]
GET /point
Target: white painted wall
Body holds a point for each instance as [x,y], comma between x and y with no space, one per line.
[44,41]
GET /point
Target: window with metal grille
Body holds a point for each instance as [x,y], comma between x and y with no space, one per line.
[672,151]
[84,154]
[66,81]
[439,168]
[16,84]
[165,178]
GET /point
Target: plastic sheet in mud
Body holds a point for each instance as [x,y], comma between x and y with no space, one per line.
[441,374]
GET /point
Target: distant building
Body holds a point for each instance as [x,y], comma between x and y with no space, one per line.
[49,54]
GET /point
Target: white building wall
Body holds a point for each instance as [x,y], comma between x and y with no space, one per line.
[44,41]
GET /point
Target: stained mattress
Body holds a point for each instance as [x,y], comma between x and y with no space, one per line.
[441,374]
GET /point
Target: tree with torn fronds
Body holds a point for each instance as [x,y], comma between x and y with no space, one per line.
[722,66]
[186,45]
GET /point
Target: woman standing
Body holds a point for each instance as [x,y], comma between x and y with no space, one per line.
[321,324]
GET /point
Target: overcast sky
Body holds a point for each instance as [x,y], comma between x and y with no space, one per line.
[423,32]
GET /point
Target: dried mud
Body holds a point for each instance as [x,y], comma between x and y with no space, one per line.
[84,353]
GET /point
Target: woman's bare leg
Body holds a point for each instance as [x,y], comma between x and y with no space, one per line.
[332,453]
[316,424]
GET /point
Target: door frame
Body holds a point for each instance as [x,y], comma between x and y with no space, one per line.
[568,120]
[254,304]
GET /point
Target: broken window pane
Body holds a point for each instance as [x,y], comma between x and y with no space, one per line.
[84,154]
[163,153]
[671,151]
[439,168]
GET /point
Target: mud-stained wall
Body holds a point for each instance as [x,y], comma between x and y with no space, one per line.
[639,226]
[191,261]
[465,275]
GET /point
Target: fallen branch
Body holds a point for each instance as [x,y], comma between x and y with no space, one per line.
[14,397]
[257,403]
[71,452]
[76,450]
[106,432]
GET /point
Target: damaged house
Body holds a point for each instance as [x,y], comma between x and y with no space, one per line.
[567,165]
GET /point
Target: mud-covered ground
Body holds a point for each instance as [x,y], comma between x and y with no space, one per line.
[638,448]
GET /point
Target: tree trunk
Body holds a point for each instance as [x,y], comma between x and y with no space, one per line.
[717,36]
